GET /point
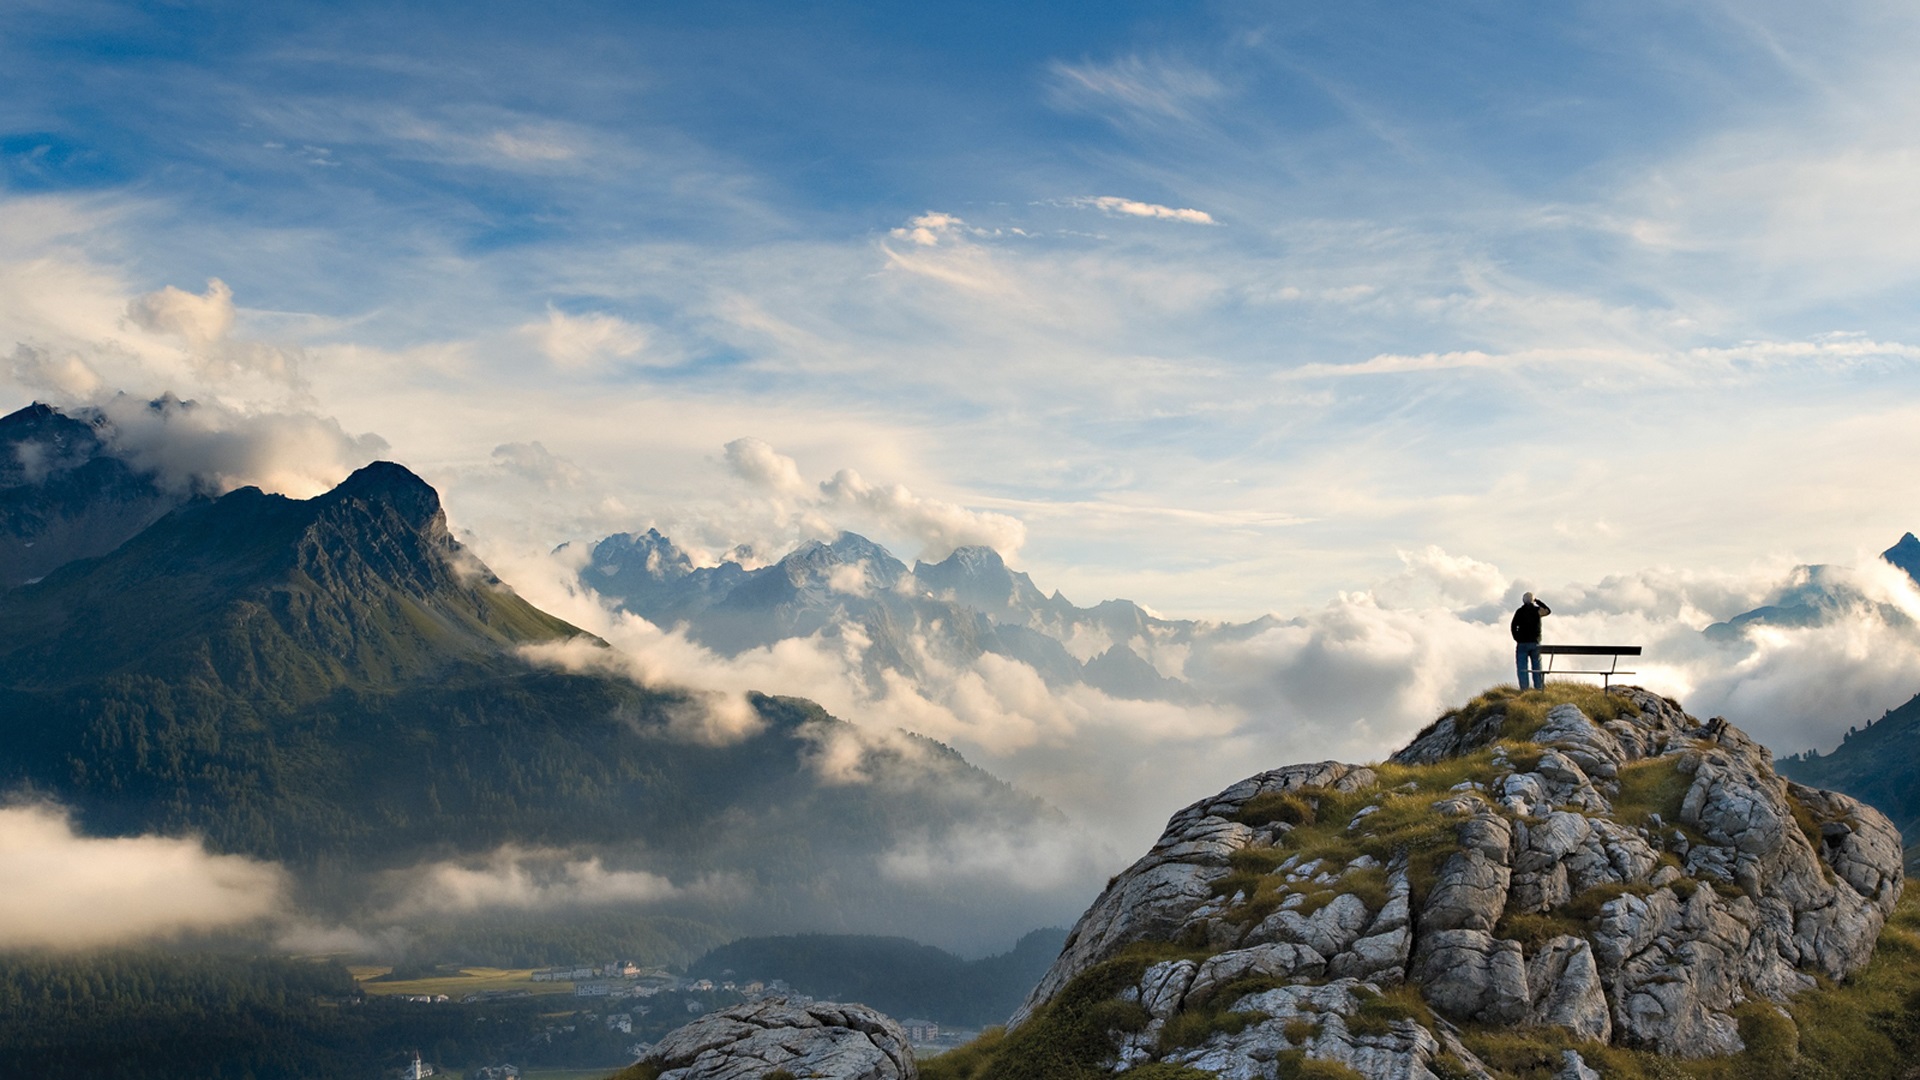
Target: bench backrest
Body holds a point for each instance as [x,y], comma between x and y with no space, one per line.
[1590,650]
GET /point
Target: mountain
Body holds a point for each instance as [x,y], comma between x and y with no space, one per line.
[336,684]
[908,621]
[1878,763]
[63,496]
[278,599]
[896,975]
[1538,881]
[1906,556]
[1816,593]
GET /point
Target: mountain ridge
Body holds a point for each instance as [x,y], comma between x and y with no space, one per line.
[360,585]
[336,684]
[908,619]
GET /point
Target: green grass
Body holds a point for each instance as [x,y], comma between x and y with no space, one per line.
[1651,786]
[1290,807]
[1524,712]
[1068,1038]
[1534,929]
[1301,1030]
[1192,1027]
[1379,1011]
[967,1061]
[1296,1065]
[469,981]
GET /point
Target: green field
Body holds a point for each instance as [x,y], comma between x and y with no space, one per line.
[471,981]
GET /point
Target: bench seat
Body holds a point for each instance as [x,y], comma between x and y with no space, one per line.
[1606,675]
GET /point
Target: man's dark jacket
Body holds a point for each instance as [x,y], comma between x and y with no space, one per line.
[1526,621]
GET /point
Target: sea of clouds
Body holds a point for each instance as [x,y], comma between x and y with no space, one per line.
[1350,679]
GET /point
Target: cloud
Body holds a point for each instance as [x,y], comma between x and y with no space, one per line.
[201,319]
[847,500]
[312,938]
[1137,86]
[66,378]
[704,714]
[486,137]
[204,322]
[1052,858]
[1828,352]
[521,879]
[1433,576]
[930,228]
[65,890]
[1112,204]
[759,464]
[210,446]
[533,462]
[531,146]
[939,526]
[578,342]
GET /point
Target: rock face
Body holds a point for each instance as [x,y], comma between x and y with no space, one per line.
[746,1042]
[1633,880]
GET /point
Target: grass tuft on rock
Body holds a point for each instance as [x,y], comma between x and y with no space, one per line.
[1069,1038]
[1379,1011]
[1651,786]
[1523,712]
[1296,1065]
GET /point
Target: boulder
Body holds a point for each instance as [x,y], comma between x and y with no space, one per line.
[746,1042]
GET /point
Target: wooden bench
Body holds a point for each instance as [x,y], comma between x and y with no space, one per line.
[1606,677]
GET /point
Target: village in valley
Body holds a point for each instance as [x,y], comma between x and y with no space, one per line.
[616,1000]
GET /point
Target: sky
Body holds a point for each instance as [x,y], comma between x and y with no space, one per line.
[1225,304]
[1226,308]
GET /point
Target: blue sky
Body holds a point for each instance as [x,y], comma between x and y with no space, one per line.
[1370,315]
[1226,304]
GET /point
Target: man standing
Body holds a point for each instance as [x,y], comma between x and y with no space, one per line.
[1526,637]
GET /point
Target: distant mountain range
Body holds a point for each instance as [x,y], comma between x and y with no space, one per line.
[336,684]
[900,977]
[1817,592]
[939,616]
[1878,763]
[907,621]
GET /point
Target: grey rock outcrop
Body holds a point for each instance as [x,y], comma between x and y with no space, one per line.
[746,1042]
[1631,881]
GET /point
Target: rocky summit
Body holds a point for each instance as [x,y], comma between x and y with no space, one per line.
[1605,871]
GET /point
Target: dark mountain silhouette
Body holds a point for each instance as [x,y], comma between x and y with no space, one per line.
[896,975]
[63,496]
[1878,764]
[1905,555]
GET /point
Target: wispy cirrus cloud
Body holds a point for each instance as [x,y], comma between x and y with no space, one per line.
[1134,86]
[1113,204]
